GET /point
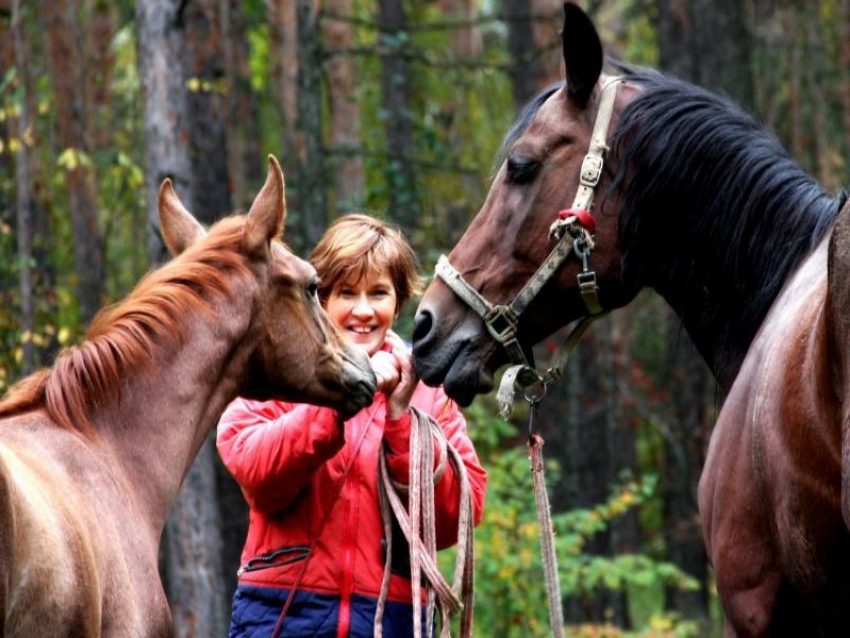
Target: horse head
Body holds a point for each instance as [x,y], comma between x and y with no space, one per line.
[291,351]
[509,239]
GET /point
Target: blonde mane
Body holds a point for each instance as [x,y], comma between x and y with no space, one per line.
[123,337]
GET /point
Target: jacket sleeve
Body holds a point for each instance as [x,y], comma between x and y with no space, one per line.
[447,491]
[272,448]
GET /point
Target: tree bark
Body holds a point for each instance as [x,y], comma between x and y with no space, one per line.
[676,50]
[246,163]
[205,77]
[161,32]
[526,70]
[68,71]
[347,167]
[311,177]
[724,49]
[398,104]
[21,130]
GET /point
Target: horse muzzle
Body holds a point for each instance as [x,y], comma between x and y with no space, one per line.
[359,381]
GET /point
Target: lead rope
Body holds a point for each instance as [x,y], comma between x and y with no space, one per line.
[544,523]
[419,528]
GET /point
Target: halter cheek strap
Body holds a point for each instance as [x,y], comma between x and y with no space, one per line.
[573,232]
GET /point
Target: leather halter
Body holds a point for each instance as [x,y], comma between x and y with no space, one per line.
[572,237]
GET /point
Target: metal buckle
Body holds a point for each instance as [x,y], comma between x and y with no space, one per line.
[591,170]
[587,281]
[506,319]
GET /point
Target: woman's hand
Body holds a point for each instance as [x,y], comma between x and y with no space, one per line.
[396,378]
[398,400]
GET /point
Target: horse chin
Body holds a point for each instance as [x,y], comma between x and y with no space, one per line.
[466,379]
[461,371]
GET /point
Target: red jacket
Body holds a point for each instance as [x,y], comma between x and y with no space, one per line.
[289,458]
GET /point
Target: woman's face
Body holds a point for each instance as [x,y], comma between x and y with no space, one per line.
[365,309]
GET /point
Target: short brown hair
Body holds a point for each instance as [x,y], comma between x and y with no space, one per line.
[358,245]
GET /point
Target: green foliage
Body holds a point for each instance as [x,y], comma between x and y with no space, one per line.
[509,578]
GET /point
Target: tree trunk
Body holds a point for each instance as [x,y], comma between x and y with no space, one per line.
[689,418]
[68,71]
[21,130]
[526,69]
[311,177]
[161,34]
[246,163]
[466,41]
[347,168]
[547,20]
[398,103]
[676,50]
[724,48]
[205,76]
[844,66]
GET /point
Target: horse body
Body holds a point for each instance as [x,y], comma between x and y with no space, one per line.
[775,532]
[94,450]
[70,568]
[699,203]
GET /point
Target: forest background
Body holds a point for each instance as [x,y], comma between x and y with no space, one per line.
[395,107]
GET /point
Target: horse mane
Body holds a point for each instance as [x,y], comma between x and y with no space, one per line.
[715,204]
[123,337]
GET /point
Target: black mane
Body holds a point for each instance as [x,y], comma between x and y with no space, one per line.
[716,213]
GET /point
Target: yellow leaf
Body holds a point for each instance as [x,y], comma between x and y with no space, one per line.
[64,335]
[14,145]
[26,336]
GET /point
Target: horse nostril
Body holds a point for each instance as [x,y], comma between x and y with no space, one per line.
[422,326]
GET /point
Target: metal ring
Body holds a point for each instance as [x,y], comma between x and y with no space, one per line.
[580,246]
[535,397]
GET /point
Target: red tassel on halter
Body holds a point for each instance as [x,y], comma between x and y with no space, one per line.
[583,217]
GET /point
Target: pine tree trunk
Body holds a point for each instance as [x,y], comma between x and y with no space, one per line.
[347,167]
[526,69]
[311,178]
[398,103]
[25,201]
[68,71]
[160,36]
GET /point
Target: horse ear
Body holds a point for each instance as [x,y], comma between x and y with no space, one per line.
[268,212]
[582,54]
[179,227]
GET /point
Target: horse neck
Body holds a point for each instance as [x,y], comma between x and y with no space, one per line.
[167,410]
[722,302]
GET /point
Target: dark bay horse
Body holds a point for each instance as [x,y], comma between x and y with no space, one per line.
[696,201]
[94,449]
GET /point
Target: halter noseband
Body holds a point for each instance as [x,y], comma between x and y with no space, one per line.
[573,231]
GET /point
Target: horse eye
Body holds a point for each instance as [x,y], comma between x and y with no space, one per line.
[313,288]
[521,169]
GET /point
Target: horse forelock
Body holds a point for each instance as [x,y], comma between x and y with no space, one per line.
[125,337]
[701,176]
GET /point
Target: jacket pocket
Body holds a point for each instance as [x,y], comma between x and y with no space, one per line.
[275,558]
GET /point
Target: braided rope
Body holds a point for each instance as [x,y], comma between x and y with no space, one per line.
[419,528]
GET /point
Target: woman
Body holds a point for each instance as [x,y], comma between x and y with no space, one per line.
[303,470]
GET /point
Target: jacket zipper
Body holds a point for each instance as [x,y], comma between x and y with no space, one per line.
[349,545]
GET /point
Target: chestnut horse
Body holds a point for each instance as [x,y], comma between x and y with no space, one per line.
[696,201]
[94,449]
